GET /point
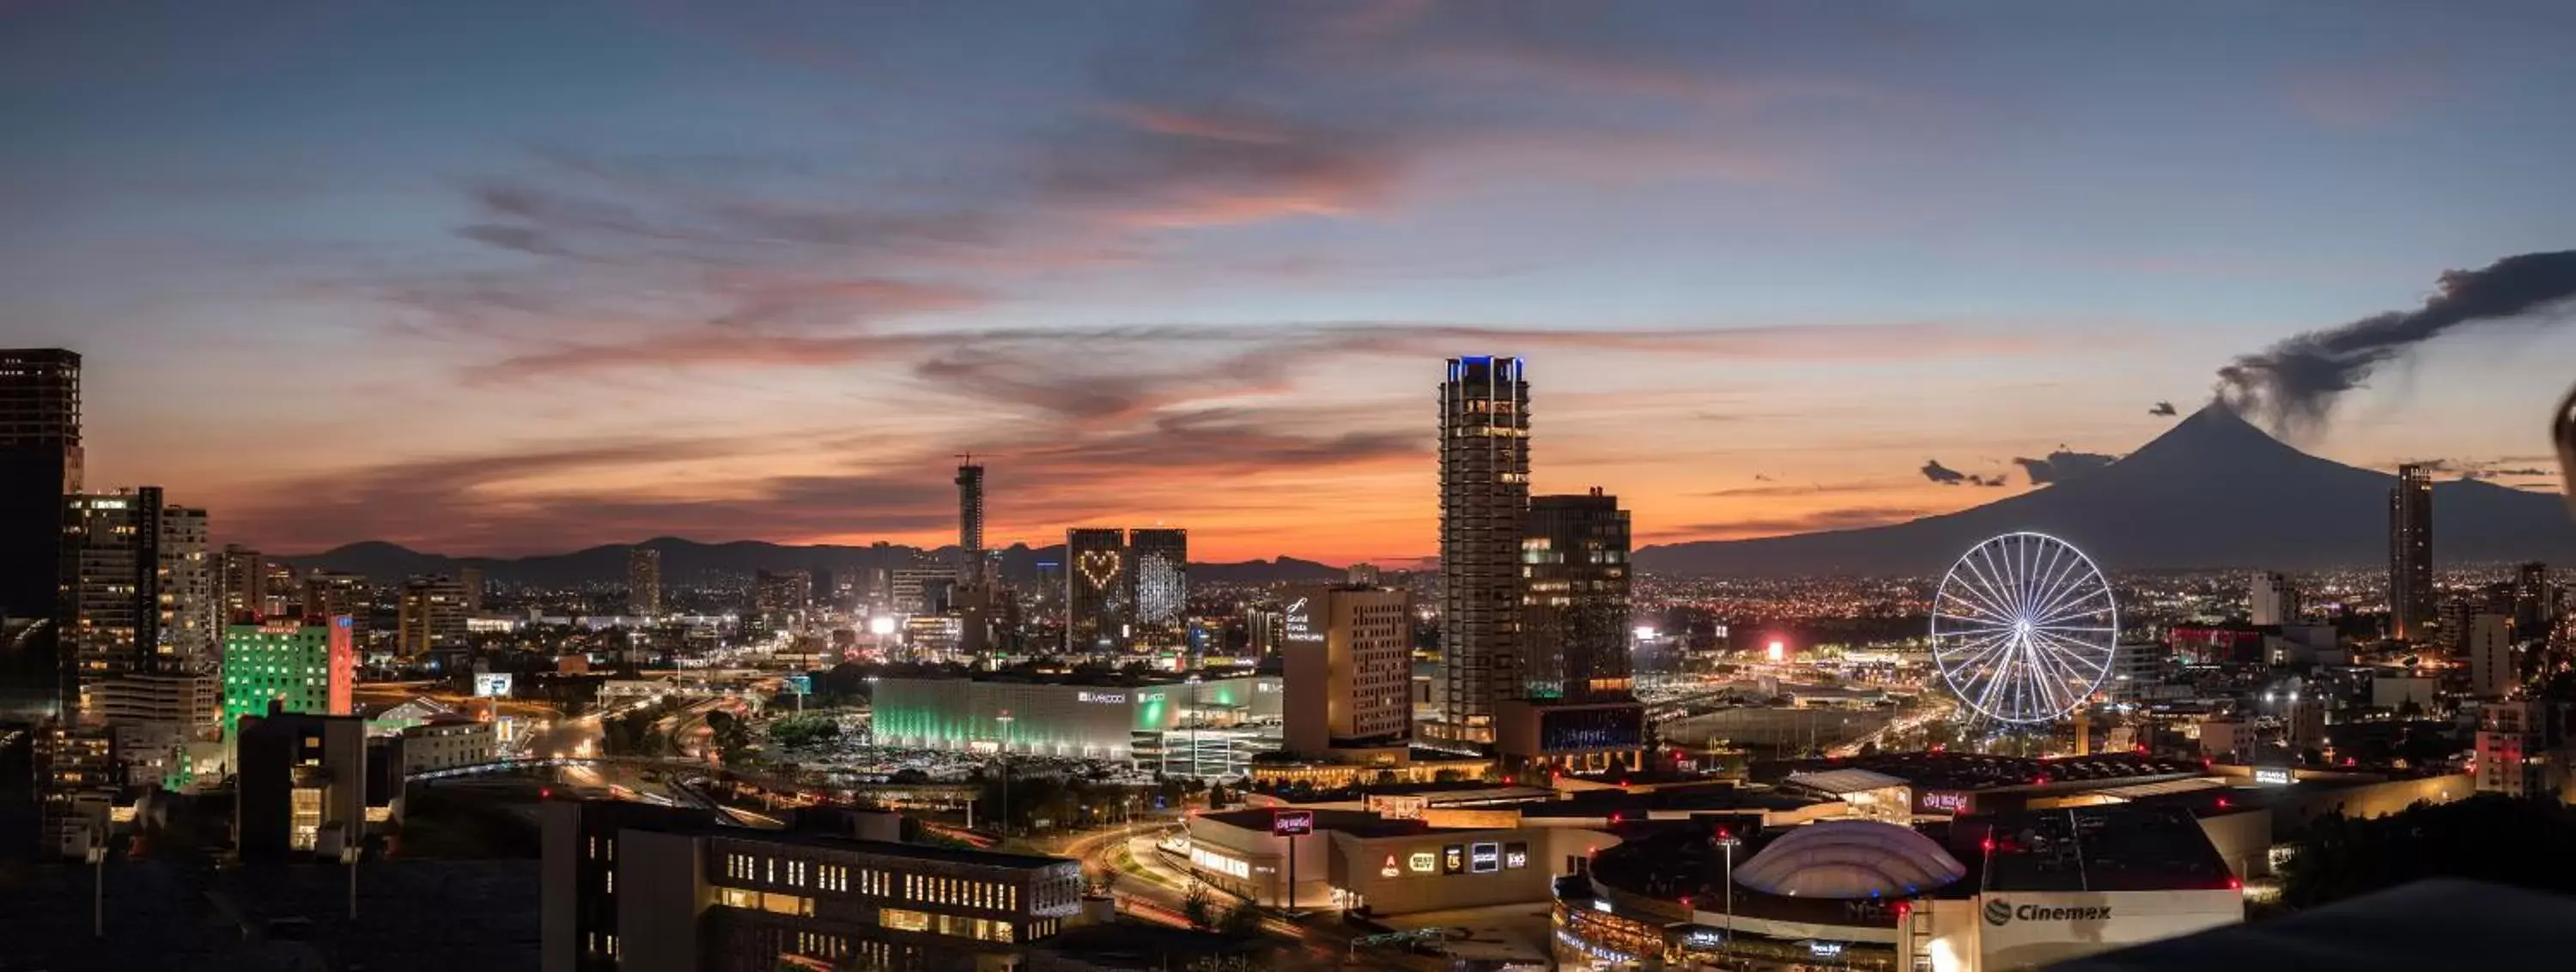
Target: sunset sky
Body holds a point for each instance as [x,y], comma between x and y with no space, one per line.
[513,277]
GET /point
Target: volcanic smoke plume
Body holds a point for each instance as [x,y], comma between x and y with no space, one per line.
[2291,386]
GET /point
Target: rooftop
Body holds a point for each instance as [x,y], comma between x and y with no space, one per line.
[917,852]
[1357,823]
[1841,781]
[1602,803]
[1976,771]
[2116,847]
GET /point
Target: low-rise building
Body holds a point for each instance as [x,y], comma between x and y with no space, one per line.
[638,888]
[1388,865]
[448,743]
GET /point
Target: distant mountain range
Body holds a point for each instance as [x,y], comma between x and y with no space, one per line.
[2213,491]
[692,562]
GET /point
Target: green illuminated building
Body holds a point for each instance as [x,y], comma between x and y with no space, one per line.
[308,665]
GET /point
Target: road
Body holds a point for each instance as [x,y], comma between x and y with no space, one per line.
[1149,887]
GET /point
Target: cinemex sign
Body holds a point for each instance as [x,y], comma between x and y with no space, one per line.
[2000,912]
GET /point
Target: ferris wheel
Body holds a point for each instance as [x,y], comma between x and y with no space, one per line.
[2023,628]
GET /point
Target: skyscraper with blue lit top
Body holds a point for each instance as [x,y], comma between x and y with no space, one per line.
[1484,499]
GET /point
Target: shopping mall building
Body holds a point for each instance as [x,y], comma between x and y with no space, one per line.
[1208,728]
[2014,891]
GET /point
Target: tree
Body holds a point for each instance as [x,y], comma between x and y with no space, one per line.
[1196,907]
[731,739]
[1240,921]
[633,734]
[2525,843]
[804,730]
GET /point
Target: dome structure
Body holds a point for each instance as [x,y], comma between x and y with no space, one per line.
[1846,859]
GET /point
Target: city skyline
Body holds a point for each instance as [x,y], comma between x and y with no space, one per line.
[731,274]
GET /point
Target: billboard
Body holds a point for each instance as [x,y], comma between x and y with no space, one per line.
[1956,803]
[800,684]
[491,684]
[1292,823]
[2275,775]
[2032,929]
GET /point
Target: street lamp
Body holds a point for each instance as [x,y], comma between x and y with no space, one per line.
[1005,720]
[1727,841]
[97,858]
[349,854]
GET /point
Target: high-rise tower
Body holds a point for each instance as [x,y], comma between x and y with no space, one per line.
[110,615]
[1484,496]
[1099,586]
[970,521]
[40,463]
[1159,585]
[644,581]
[2410,552]
[1575,603]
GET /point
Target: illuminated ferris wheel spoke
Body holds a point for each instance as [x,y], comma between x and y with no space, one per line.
[1984,592]
[2056,575]
[2080,608]
[2023,628]
[2026,569]
[2074,652]
[2070,590]
[2003,574]
[2043,682]
[1978,654]
[1978,593]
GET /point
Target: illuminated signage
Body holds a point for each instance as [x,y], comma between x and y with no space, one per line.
[1219,863]
[1291,823]
[2275,775]
[491,684]
[1389,870]
[1453,859]
[1999,912]
[1400,807]
[1104,698]
[1516,855]
[1703,938]
[800,684]
[1423,863]
[1301,622]
[1600,906]
[1825,950]
[1485,858]
[1951,802]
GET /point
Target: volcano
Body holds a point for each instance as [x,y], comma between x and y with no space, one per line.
[2212,492]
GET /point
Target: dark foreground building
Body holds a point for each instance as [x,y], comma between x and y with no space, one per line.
[639,888]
